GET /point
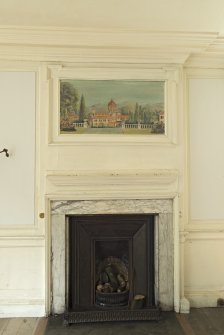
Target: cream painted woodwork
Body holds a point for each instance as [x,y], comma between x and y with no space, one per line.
[203,269]
[145,48]
[206,105]
[70,169]
[22,246]
[17,134]
[204,229]
[22,279]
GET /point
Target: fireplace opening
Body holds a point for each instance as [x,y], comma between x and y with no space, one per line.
[111,273]
[111,268]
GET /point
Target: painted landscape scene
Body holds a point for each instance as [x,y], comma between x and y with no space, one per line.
[112,107]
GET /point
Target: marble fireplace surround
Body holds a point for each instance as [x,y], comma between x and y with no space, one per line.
[166,286]
[127,192]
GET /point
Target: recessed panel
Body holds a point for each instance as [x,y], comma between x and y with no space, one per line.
[17,134]
[206,105]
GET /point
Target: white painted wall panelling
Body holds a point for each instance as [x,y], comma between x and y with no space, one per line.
[17,134]
[22,277]
[206,105]
[204,269]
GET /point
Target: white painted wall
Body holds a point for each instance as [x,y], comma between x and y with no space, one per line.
[22,261]
[22,277]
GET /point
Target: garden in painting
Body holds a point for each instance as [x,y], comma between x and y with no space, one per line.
[112,107]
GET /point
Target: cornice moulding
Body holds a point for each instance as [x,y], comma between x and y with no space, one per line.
[102,37]
[212,57]
[102,55]
[58,44]
[206,60]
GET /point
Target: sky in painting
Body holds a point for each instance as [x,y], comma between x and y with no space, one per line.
[121,91]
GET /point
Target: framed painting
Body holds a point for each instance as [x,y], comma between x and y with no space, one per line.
[124,107]
[112,105]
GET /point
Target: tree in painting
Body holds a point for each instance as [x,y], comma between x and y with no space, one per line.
[69,99]
[112,106]
[82,109]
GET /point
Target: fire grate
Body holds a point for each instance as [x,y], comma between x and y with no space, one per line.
[152,314]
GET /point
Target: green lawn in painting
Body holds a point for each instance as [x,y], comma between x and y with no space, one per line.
[105,106]
[110,131]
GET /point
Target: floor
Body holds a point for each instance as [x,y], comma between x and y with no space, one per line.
[23,326]
[203,321]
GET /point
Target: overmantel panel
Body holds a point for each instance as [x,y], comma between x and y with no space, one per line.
[170,75]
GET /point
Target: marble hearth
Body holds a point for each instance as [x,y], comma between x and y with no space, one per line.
[166,284]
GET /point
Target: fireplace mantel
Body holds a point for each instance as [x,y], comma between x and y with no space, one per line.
[156,191]
[153,184]
[164,242]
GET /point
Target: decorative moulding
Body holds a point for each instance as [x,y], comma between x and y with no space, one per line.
[199,73]
[17,242]
[30,231]
[101,45]
[107,37]
[100,55]
[34,229]
[211,57]
[152,185]
[205,230]
[170,75]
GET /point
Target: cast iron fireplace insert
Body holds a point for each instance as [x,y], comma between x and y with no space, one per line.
[111,268]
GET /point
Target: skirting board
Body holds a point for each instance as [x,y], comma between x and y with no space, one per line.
[22,310]
[200,299]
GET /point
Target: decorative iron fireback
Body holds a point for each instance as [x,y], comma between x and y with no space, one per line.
[111,268]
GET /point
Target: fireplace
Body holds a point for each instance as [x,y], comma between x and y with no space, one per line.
[158,288]
[111,262]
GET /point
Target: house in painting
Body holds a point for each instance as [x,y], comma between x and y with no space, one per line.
[109,118]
